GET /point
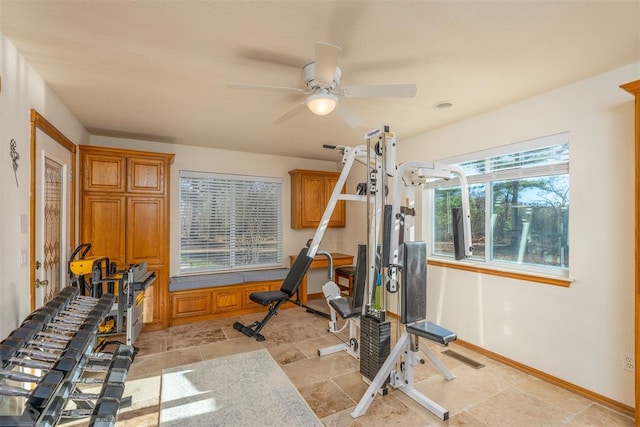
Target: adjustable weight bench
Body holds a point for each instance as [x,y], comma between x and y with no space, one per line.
[274,299]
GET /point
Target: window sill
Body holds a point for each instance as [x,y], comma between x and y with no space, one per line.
[518,275]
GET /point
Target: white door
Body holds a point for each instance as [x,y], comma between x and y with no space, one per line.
[53,168]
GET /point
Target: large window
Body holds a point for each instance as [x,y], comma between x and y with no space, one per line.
[229,222]
[519,202]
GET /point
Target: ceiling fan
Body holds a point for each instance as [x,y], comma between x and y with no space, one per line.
[323,91]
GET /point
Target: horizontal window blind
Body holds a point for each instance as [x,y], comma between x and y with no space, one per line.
[229,222]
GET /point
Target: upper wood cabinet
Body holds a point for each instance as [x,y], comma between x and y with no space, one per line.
[310,194]
[125,216]
[103,172]
[145,175]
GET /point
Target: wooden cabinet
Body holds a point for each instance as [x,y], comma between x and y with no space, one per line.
[226,300]
[221,301]
[190,304]
[310,193]
[145,175]
[145,230]
[124,215]
[100,214]
[103,172]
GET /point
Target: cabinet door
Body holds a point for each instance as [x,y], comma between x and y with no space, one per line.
[155,296]
[103,219]
[145,228]
[313,203]
[338,216]
[190,304]
[310,194]
[145,175]
[103,172]
[227,299]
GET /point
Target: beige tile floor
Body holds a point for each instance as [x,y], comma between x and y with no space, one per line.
[495,395]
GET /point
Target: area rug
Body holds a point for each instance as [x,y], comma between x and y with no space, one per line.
[246,389]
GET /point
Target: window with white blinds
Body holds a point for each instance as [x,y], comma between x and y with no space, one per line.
[229,222]
[519,202]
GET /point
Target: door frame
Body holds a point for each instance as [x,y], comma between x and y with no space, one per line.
[39,122]
[634,89]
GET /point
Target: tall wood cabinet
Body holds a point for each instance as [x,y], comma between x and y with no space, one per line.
[310,193]
[124,214]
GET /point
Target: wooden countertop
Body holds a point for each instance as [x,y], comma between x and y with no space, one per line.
[321,261]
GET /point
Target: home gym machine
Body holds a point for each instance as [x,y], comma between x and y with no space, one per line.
[50,370]
[396,264]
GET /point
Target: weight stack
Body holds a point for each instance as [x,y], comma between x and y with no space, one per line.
[375,345]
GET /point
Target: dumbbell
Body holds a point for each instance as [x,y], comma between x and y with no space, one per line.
[105,412]
[22,377]
[15,341]
[45,390]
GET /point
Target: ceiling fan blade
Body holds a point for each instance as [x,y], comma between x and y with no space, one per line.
[380,91]
[271,57]
[326,61]
[268,88]
[289,114]
[349,116]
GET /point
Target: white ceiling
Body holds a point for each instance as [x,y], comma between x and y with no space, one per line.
[159,69]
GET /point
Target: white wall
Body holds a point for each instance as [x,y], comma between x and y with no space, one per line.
[578,333]
[22,90]
[233,162]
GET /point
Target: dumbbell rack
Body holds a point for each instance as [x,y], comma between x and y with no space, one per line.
[47,361]
[128,310]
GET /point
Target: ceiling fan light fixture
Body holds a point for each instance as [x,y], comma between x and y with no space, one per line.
[322,104]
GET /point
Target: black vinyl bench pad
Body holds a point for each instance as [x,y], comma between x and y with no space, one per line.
[266,298]
[343,305]
[432,332]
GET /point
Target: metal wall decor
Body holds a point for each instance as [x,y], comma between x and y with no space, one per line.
[14,159]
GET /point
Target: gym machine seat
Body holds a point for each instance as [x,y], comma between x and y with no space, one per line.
[348,308]
[274,299]
[351,306]
[432,332]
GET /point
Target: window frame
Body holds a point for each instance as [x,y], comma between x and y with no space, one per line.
[233,266]
[558,276]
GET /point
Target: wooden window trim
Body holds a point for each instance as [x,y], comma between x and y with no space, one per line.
[529,277]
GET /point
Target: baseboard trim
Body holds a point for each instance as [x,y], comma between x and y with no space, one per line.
[603,400]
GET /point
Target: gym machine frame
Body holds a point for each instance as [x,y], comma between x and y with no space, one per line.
[389,234]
